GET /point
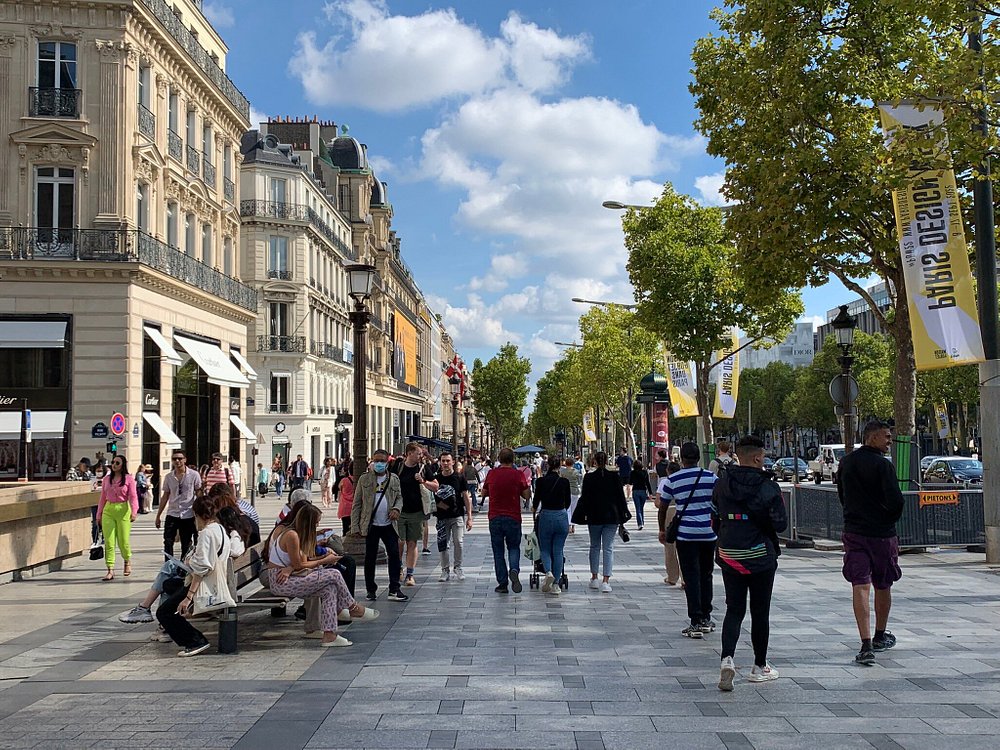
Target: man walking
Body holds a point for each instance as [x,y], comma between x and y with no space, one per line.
[376,509]
[454,516]
[751,513]
[411,520]
[506,487]
[723,459]
[179,489]
[873,503]
[298,473]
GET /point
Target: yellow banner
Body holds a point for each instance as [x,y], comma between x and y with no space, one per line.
[589,430]
[727,380]
[404,353]
[681,387]
[941,299]
[941,421]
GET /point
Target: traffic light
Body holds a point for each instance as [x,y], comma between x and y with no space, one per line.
[112,447]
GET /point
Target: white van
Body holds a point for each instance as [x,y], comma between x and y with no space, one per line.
[824,466]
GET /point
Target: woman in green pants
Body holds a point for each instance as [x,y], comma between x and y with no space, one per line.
[116,511]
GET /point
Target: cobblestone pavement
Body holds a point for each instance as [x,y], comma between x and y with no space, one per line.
[459,666]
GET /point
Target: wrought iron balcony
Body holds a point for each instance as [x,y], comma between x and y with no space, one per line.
[54,102]
[275,274]
[194,159]
[147,122]
[296,212]
[293,344]
[228,189]
[327,351]
[174,26]
[208,171]
[279,408]
[122,246]
[175,145]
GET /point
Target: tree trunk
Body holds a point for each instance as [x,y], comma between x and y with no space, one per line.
[704,403]
[963,417]
[905,394]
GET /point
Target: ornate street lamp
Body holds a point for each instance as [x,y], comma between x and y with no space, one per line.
[456,393]
[844,326]
[360,277]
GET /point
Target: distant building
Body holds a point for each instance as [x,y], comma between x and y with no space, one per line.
[860,309]
[796,350]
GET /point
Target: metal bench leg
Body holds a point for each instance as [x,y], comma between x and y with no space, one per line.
[227,631]
[279,611]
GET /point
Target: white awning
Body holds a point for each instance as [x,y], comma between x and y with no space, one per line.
[242,427]
[251,373]
[169,353]
[48,425]
[167,436]
[32,334]
[215,364]
[10,425]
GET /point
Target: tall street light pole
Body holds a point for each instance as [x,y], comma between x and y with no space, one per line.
[843,327]
[456,385]
[359,285]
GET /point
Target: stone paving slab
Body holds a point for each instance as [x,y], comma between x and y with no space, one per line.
[459,666]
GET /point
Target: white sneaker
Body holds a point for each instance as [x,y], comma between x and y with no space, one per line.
[605,588]
[763,674]
[547,583]
[459,574]
[594,584]
[555,590]
[727,675]
[445,577]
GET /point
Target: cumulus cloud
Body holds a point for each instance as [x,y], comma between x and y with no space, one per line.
[710,188]
[257,117]
[219,15]
[816,320]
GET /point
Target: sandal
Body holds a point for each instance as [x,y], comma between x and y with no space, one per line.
[128,569]
[367,615]
[110,576]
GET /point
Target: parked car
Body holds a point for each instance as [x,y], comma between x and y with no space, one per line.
[926,461]
[954,470]
[784,469]
[826,463]
[768,464]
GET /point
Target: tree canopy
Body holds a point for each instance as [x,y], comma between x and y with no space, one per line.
[501,388]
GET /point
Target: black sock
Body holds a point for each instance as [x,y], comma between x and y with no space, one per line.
[866,644]
[879,634]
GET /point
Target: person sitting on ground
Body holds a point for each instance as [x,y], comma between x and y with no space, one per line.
[208,564]
[295,567]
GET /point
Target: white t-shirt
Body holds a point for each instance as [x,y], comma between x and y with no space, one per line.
[380,516]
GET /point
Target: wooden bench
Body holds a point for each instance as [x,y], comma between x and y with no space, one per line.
[250,594]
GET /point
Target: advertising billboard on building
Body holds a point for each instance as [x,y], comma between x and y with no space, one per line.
[404,357]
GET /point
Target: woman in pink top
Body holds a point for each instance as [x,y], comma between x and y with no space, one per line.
[346,498]
[116,511]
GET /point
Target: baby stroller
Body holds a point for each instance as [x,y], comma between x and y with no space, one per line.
[531,551]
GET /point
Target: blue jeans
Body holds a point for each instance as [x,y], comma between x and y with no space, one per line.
[280,484]
[602,539]
[505,532]
[472,494]
[553,528]
[639,497]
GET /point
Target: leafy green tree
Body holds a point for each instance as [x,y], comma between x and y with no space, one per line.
[501,388]
[682,265]
[785,94]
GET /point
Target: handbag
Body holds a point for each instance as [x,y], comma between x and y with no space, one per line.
[531,548]
[623,533]
[213,591]
[97,549]
[670,534]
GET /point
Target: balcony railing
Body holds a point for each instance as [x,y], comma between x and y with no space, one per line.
[296,212]
[279,408]
[123,246]
[228,189]
[194,159]
[327,351]
[208,171]
[54,102]
[176,28]
[295,344]
[283,275]
[147,122]
[175,145]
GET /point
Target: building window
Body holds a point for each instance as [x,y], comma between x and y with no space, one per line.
[278,325]
[144,76]
[192,117]
[346,205]
[55,209]
[190,235]
[227,162]
[150,365]
[206,245]
[172,238]
[206,143]
[278,190]
[142,207]
[279,393]
[227,256]
[173,108]
[277,261]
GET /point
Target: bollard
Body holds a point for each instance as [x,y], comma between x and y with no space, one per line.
[227,631]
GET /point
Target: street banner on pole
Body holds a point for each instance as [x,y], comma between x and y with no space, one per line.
[941,300]
[660,431]
[681,387]
[589,432]
[941,422]
[727,382]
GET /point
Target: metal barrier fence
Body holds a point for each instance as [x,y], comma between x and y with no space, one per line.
[931,518]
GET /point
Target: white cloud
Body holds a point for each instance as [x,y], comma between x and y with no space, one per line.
[710,187]
[257,117]
[219,15]
[816,320]
[539,58]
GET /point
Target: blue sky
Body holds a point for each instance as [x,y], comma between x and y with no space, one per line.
[500,127]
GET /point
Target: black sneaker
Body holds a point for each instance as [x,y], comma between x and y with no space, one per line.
[692,631]
[501,589]
[397,596]
[515,583]
[371,596]
[887,641]
[707,626]
[195,650]
[866,656]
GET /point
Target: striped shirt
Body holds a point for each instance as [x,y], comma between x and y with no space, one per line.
[696,516]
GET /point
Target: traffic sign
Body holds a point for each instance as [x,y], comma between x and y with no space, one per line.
[118,424]
[837,389]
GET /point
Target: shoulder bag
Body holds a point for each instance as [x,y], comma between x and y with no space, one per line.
[671,531]
[213,591]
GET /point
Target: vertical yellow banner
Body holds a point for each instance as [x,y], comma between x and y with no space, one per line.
[681,387]
[727,380]
[589,431]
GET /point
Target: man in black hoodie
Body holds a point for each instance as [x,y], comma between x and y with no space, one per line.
[751,513]
[869,492]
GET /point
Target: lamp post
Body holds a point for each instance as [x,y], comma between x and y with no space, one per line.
[359,285]
[456,389]
[468,431]
[843,327]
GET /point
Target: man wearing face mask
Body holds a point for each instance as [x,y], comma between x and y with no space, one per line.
[378,502]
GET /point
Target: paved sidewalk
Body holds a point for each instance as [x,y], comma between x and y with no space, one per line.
[459,666]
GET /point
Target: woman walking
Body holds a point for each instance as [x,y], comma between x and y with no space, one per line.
[326,480]
[552,493]
[141,487]
[116,510]
[346,497]
[602,498]
[639,479]
[571,474]
[665,513]
[278,475]
[295,569]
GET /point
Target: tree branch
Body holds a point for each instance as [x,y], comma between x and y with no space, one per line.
[751,342]
[862,292]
